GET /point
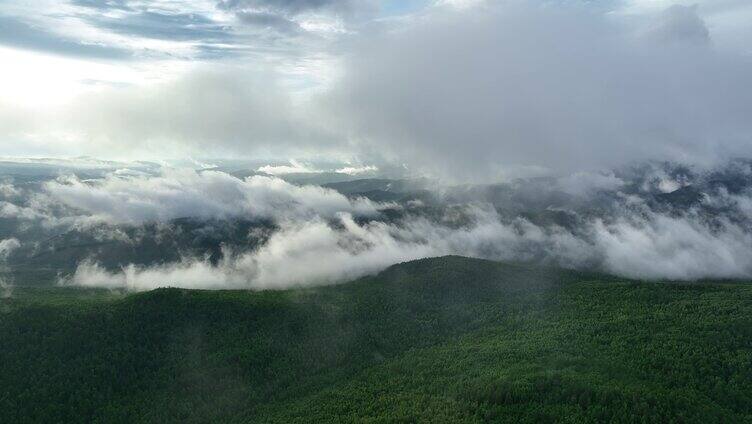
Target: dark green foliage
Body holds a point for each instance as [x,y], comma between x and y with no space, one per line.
[439,340]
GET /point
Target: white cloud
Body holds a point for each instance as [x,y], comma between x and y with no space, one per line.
[586,183]
[177,193]
[674,248]
[295,167]
[357,170]
[308,253]
[7,190]
[654,246]
[470,90]
[7,246]
[11,210]
[680,24]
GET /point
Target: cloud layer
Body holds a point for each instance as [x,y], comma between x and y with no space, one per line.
[656,246]
[180,193]
[470,93]
[652,222]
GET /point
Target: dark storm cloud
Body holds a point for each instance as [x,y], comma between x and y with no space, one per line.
[19,34]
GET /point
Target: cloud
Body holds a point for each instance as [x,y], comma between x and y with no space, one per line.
[269,21]
[228,109]
[357,170]
[104,4]
[620,222]
[12,210]
[586,183]
[164,26]
[315,252]
[7,190]
[7,246]
[178,193]
[304,253]
[148,32]
[674,248]
[681,24]
[647,246]
[301,253]
[477,93]
[295,7]
[298,167]
[299,17]
[471,93]
[19,34]
[295,167]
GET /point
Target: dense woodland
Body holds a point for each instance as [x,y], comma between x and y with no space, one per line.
[438,340]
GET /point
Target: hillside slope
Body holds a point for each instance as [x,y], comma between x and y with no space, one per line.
[446,340]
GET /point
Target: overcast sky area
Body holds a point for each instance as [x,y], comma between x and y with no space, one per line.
[469,88]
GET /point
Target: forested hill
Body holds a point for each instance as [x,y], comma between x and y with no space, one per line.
[437,340]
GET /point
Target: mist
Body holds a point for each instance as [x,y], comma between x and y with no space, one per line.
[7,246]
[639,244]
[177,193]
[495,91]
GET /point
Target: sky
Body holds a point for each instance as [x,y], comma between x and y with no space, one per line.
[469,88]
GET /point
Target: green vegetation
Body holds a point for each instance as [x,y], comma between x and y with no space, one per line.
[438,340]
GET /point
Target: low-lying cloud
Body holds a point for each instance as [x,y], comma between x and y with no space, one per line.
[180,193]
[653,246]
[7,246]
[650,222]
